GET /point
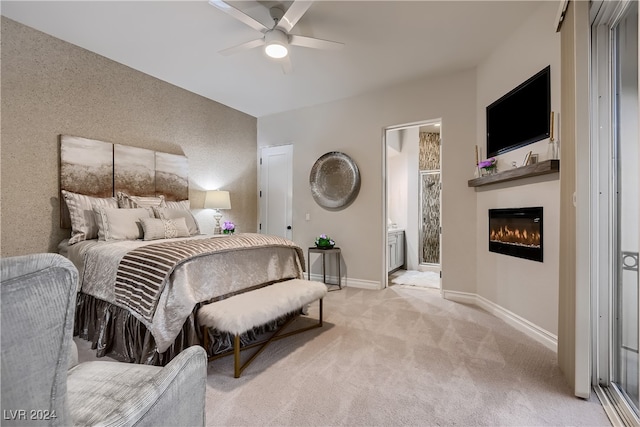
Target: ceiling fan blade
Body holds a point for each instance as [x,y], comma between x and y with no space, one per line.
[239,48]
[314,43]
[238,14]
[293,15]
[287,67]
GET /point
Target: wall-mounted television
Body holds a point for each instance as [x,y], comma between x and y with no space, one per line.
[520,117]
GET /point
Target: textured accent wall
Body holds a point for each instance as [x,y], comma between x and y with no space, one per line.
[429,151]
[430,194]
[50,87]
[429,160]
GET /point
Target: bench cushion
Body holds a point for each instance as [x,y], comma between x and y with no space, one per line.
[242,312]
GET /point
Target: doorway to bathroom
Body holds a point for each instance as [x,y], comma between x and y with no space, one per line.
[413,201]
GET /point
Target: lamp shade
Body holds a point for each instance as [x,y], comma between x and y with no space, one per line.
[217,200]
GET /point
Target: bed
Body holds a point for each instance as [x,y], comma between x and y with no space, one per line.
[144,266]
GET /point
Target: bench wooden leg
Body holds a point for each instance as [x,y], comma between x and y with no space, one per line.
[237,368]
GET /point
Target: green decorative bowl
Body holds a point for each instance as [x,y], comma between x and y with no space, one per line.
[324,246]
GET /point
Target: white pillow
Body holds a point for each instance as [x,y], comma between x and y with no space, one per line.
[167,213]
[120,224]
[126,201]
[155,228]
[83,221]
[182,204]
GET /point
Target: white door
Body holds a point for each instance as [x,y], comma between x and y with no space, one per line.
[276,190]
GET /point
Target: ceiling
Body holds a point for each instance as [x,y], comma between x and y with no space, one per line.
[386,43]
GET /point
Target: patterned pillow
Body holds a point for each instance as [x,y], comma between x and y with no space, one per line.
[166,213]
[126,201]
[120,224]
[83,222]
[155,228]
[182,204]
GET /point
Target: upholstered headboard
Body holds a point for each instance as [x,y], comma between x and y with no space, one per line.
[101,169]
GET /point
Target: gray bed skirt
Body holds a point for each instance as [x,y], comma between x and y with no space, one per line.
[114,332]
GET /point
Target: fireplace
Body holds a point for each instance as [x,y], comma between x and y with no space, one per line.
[516,232]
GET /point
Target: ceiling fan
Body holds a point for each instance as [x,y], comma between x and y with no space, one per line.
[276,39]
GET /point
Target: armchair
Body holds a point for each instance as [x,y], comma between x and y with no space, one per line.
[43,385]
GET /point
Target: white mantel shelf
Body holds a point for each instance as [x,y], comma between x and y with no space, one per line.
[540,168]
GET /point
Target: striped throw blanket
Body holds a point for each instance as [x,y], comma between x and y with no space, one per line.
[143,272]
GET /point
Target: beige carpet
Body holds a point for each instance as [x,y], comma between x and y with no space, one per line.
[401,356]
[398,357]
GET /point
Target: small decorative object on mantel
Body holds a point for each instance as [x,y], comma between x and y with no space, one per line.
[228,227]
[552,148]
[488,167]
[324,242]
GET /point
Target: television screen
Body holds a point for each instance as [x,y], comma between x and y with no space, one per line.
[520,117]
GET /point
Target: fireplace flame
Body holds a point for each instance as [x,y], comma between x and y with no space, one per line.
[515,236]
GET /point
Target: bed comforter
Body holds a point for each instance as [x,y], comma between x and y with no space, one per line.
[231,264]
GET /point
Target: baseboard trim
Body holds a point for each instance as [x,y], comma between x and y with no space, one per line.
[539,334]
[462,297]
[348,282]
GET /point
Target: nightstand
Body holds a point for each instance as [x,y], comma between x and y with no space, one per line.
[324,253]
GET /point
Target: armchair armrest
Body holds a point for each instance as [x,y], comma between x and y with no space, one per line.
[118,394]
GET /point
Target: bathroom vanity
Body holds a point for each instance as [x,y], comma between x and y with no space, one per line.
[396,249]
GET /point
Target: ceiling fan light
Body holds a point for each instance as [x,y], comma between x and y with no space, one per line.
[276,44]
[276,50]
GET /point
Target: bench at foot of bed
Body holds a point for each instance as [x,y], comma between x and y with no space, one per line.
[242,312]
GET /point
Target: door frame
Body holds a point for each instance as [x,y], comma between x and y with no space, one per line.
[385,186]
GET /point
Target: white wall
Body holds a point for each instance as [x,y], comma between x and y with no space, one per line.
[355,126]
[527,288]
[411,144]
[397,192]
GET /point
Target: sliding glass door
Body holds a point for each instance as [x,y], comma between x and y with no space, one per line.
[626,167]
[616,204]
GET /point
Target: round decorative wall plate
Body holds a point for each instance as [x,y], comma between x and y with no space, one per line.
[334,180]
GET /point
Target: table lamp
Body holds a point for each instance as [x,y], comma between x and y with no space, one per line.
[217,200]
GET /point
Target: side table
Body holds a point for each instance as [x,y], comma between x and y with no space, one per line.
[324,252]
